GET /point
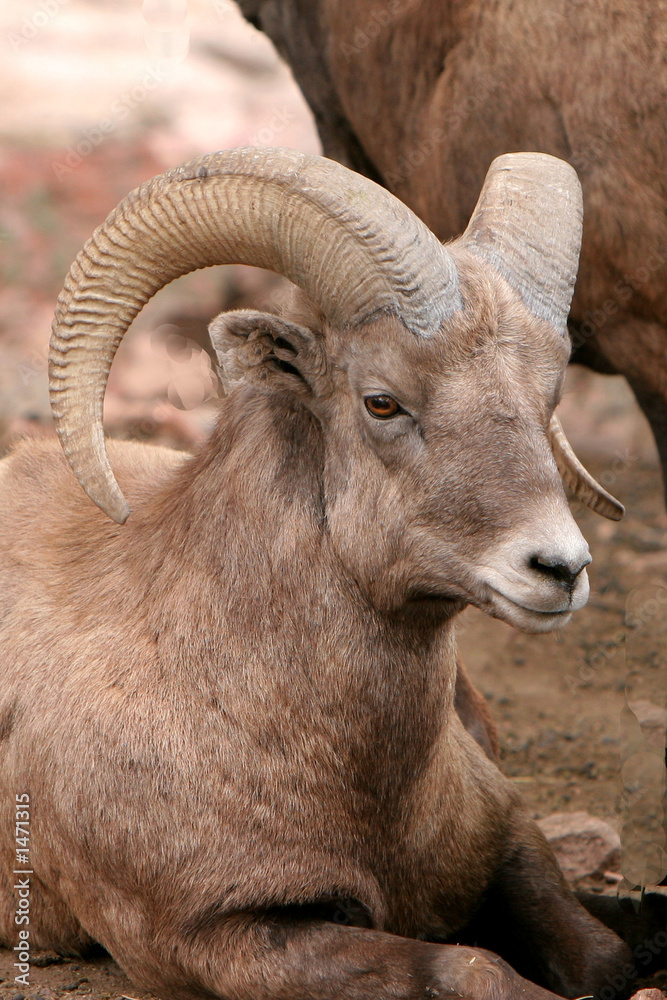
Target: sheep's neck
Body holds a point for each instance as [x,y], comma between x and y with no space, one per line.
[248,592]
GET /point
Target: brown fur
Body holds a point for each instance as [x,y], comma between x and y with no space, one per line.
[234,714]
[421,95]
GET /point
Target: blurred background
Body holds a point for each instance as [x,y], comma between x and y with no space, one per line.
[96,96]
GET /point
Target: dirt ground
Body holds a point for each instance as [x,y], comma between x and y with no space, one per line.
[557,699]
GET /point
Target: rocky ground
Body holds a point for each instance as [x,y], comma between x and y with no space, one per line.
[92,106]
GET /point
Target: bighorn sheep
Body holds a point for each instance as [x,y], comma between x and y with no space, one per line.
[421,95]
[229,722]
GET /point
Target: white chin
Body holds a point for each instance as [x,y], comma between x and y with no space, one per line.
[524,618]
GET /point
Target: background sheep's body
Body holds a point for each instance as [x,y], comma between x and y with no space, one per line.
[421,96]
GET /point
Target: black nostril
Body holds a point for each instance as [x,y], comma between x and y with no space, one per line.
[557,570]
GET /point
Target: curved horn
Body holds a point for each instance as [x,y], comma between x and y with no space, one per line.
[578,479]
[349,244]
[527,225]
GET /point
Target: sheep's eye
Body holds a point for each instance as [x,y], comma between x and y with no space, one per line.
[382,407]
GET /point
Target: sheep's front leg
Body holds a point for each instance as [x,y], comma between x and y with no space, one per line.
[643,929]
[533,919]
[261,958]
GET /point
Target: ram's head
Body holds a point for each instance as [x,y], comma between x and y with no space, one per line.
[431,372]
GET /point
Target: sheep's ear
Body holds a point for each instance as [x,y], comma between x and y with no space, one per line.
[264,348]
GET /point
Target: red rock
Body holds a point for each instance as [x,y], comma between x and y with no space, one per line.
[583,844]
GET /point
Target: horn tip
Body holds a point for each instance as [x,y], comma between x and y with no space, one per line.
[617,512]
[120,517]
[113,504]
[118,512]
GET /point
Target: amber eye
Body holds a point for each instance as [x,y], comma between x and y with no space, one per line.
[382,407]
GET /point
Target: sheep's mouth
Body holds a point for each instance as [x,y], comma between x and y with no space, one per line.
[527,619]
[498,605]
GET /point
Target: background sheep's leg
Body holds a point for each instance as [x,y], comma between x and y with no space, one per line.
[260,958]
[474,713]
[654,407]
[533,919]
[638,352]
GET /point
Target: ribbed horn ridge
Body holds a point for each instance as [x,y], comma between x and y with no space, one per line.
[527,225]
[578,479]
[349,244]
